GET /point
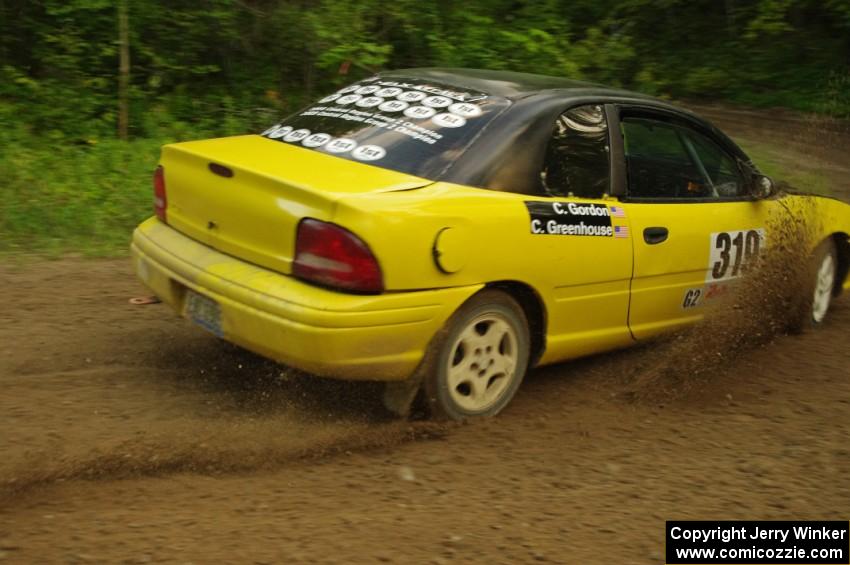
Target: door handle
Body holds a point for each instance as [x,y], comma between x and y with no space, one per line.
[656,235]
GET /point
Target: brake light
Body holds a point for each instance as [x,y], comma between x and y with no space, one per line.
[160,202]
[331,256]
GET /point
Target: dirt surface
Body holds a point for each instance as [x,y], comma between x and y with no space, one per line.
[813,145]
[130,436]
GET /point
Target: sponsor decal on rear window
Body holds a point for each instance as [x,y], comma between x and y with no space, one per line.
[411,125]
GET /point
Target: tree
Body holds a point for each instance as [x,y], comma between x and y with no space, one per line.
[123,69]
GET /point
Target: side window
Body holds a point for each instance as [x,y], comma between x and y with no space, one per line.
[652,139]
[664,160]
[576,162]
[720,167]
[658,163]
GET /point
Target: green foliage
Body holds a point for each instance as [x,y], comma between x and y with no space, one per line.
[74,197]
[196,61]
[63,193]
[216,67]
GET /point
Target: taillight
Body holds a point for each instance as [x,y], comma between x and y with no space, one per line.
[160,202]
[329,255]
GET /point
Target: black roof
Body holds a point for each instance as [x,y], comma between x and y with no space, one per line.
[510,154]
[512,85]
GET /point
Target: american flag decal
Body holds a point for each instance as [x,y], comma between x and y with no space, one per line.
[621,231]
[618,212]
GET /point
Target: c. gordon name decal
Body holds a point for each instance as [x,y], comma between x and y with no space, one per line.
[569,218]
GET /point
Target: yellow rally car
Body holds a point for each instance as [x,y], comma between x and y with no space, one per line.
[445,230]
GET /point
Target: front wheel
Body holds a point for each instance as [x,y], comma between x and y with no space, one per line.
[818,288]
[480,358]
[824,282]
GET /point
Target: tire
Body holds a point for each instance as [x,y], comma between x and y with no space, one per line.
[819,288]
[478,361]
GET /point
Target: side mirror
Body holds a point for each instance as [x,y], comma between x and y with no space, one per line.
[762,187]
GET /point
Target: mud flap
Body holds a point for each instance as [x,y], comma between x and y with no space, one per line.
[398,396]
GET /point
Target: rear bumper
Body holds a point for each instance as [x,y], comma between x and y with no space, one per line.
[328,333]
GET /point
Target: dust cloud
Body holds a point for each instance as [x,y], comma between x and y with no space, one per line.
[771,299]
[203,407]
[228,448]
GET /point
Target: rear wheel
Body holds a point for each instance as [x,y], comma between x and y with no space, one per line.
[480,359]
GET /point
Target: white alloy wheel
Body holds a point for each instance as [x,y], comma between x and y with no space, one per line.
[824,286]
[479,359]
[482,362]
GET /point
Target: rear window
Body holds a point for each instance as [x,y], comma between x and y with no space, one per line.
[408,125]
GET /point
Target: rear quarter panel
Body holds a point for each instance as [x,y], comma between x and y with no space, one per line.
[584,293]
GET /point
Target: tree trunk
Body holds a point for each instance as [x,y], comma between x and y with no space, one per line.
[730,18]
[123,70]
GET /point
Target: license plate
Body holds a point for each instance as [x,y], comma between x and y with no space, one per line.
[204,311]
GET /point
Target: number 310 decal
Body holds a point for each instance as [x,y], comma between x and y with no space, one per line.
[732,253]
